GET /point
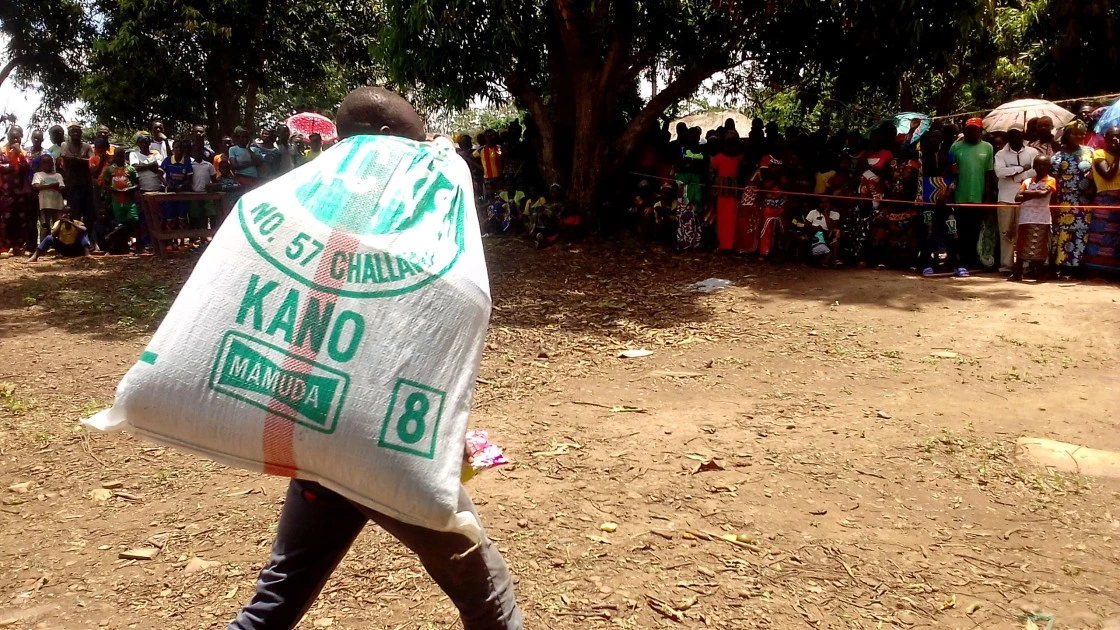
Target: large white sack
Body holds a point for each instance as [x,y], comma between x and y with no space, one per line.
[332,331]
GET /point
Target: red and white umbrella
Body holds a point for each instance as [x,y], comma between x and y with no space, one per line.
[307,123]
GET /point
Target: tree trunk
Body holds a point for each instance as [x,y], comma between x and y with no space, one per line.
[590,148]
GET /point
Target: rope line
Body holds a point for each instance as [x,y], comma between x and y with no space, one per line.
[790,193]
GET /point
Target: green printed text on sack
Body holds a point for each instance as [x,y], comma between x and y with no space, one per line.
[299,320]
[280,382]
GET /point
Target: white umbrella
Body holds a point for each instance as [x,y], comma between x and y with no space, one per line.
[1008,114]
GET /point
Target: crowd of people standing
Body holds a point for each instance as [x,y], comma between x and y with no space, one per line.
[81,197]
[949,198]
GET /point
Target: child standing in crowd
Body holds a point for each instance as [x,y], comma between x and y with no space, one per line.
[49,184]
[178,172]
[202,213]
[1034,197]
[491,157]
[122,181]
[67,236]
[772,183]
[665,214]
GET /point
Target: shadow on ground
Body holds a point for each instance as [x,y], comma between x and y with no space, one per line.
[593,285]
[111,298]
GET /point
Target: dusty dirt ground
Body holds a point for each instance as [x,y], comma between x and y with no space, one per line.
[805,449]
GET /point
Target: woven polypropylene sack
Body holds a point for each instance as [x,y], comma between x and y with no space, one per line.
[332,331]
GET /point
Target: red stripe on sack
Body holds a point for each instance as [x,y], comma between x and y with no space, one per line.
[279,449]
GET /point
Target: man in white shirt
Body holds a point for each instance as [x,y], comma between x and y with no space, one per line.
[146,160]
[1012,166]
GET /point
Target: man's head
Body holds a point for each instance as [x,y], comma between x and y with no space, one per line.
[1085,113]
[1015,137]
[46,163]
[729,124]
[101,145]
[119,158]
[102,132]
[74,131]
[198,134]
[973,129]
[15,136]
[227,142]
[1044,128]
[241,137]
[682,131]
[57,134]
[1041,166]
[999,140]
[37,139]
[316,142]
[283,134]
[177,149]
[1112,140]
[144,143]
[374,111]
[156,128]
[465,141]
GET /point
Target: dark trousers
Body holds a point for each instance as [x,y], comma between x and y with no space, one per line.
[939,225]
[74,249]
[317,527]
[970,222]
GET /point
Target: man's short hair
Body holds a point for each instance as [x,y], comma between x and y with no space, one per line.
[368,110]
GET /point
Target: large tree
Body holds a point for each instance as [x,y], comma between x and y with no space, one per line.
[44,44]
[571,63]
[1082,44]
[219,61]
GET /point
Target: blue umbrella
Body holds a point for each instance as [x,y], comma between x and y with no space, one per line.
[902,124]
[1109,119]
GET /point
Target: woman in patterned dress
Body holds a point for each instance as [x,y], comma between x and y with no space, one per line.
[1071,166]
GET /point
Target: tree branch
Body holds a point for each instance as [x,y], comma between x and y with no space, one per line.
[10,67]
[686,83]
[565,22]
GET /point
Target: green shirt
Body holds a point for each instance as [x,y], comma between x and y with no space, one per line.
[973,161]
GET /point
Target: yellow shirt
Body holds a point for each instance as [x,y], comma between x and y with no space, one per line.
[1104,185]
[68,234]
[822,182]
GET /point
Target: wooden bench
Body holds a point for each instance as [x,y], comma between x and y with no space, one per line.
[153,213]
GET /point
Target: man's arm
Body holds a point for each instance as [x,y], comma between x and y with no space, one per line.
[1004,169]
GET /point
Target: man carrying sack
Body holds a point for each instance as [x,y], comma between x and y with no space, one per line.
[318,526]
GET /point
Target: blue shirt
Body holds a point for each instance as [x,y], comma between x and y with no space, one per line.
[178,172]
[241,155]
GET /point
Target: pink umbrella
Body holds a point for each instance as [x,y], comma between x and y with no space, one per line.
[307,123]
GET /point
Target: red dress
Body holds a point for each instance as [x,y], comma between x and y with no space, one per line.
[726,170]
